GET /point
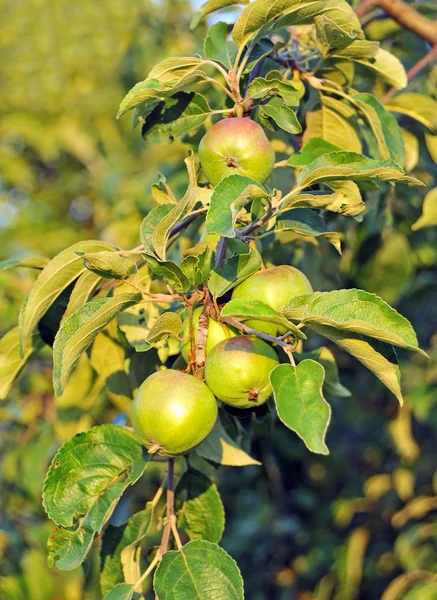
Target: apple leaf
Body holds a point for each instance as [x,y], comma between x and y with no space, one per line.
[247,310]
[197,571]
[263,15]
[83,288]
[211,6]
[108,264]
[217,46]
[339,202]
[33,262]
[300,402]
[228,198]
[239,266]
[331,384]
[331,36]
[357,311]
[378,357]
[262,88]
[170,272]
[284,117]
[118,545]
[307,223]
[429,212]
[108,459]
[314,148]
[356,167]
[122,591]
[149,224]
[11,361]
[78,332]
[169,323]
[386,66]
[202,515]
[58,275]
[220,448]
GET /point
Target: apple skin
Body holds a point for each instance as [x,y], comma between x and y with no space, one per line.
[173,412]
[237,371]
[236,146]
[217,332]
[275,286]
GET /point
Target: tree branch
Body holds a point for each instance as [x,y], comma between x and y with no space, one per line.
[414,71]
[405,15]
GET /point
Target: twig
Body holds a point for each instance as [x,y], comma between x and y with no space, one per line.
[170,508]
[202,332]
[183,224]
[405,15]
[414,71]
[147,572]
[279,340]
[220,252]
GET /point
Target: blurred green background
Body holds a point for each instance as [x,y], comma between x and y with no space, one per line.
[350,526]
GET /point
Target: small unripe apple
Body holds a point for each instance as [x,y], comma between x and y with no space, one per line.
[237,145]
[217,332]
[237,371]
[173,412]
[275,286]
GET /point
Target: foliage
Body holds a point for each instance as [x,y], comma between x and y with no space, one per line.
[351,156]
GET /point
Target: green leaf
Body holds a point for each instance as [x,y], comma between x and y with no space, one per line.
[202,515]
[228,198]
[197,268]
[429,212]
[307,222]
[335,122]
[386,66]
[378,357]
[284,117]
[359,49]
[211,6]
[248,310]
[258,51]
[167,78]
[175,116]
[200,570]
[168,323]
[108,264]
[419,107]
[351,166]
[162,230]
[262,88]
[237,267]
[300,402]
[217,46]
[314,148]
[331,384]
[360,312]
[11,362]
[331,36]
[262,15]
[84,483]
[170,272]
[220,448]
[339,202]
[83,288]
[33,262]
[149,224]
[384,127]
[122,591]
[431,145]
[56,277]
[79,331]
[118,544]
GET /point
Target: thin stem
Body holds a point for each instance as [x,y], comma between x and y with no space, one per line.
[238,57]
[170,508]
[279,340]
[217,66]
[222,87]
[220,251]
[175,532]
[160,491]
[414,71]
[147,572]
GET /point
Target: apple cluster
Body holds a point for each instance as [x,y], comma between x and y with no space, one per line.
[174,411]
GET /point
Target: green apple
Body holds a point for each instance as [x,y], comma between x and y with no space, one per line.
[217,332]
[237,145]
[237,371]
[173,412]
[275,286]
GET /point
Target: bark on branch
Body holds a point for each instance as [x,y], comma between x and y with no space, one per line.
[405,15]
